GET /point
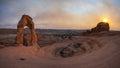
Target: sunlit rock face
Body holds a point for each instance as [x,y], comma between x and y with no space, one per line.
[102,26]
[26,20]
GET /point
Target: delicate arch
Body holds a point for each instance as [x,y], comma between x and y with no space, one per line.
[26,21]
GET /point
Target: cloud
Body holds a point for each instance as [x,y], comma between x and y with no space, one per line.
[71,14]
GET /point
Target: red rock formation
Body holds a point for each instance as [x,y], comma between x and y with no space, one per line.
[26,21]
[102,26]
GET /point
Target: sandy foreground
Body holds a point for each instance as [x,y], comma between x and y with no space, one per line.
[105,53]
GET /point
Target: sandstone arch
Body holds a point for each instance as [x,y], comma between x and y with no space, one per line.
[26,21]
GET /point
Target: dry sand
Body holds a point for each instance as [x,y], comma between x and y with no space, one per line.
[105,53]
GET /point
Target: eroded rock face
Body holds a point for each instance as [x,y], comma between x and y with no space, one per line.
[26,21]
[102,26]
[70,50]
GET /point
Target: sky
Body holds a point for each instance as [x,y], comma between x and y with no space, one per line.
[61,14]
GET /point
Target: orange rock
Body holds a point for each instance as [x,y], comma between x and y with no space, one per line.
[26,21]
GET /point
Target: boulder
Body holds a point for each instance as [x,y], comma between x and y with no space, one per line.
[102,26]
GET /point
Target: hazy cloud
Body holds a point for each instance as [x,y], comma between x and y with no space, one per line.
[70,14]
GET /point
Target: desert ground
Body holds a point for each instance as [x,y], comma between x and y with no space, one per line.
[98,50]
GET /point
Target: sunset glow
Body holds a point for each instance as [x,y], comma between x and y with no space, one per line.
[105,20]
[61,14]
